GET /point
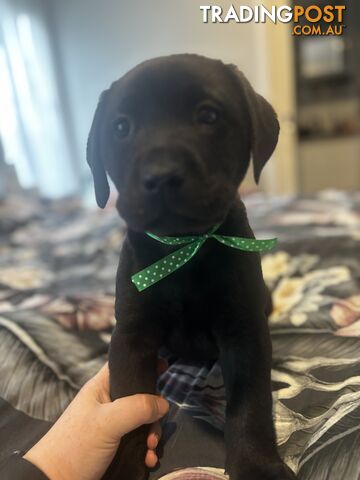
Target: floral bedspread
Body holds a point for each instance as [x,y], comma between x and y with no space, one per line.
[57,275]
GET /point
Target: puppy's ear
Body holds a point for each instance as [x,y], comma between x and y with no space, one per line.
[94,155]
[264,123]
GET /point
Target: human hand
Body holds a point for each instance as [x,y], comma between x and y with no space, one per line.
[84,440]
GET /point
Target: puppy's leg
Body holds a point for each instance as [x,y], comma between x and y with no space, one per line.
[245,357]
[132,364]
[268,303]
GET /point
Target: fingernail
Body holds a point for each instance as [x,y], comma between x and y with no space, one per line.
[163,406]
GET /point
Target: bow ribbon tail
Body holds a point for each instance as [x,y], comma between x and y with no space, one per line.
[246,244]
[165,266]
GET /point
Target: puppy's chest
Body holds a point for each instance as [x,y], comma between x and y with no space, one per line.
[196,301]
[193,301]
[189,330]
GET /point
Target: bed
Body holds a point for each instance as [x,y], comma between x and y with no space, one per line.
[57,275]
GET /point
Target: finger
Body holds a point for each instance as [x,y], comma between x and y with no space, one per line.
[101,381]
[154,436]
[151,459]
[102,378]
[127,413]
[98,386]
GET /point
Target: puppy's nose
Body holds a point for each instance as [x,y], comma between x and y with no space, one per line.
[155,181]
[164,169]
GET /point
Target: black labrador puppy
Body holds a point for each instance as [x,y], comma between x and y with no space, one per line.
[175,135]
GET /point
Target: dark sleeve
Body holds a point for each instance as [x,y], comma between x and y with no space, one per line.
[15,467]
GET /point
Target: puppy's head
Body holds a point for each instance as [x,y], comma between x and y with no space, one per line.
[176,134]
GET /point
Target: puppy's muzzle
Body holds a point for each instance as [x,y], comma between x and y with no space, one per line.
[161,178]
[164,172]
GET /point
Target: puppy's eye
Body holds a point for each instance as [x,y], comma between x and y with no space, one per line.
[207,115]
[122,127]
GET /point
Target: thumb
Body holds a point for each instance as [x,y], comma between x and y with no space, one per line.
[127,413]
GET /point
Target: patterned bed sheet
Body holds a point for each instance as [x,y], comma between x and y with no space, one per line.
[57,273]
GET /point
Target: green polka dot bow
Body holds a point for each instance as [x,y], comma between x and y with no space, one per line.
[167,265]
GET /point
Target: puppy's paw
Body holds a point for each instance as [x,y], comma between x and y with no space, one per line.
[280,472]
[277,471]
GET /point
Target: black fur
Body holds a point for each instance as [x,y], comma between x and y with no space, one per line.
[178,174]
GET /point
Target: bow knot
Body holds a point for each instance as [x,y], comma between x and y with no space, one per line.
[167,265]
